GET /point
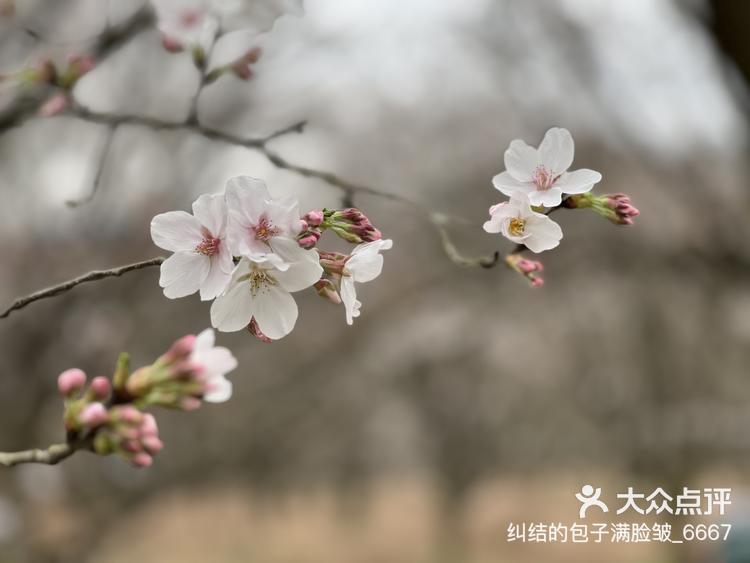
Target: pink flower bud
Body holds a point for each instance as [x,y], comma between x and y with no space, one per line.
[309,240]
[314,218]
[189,403]
[152,444]
[70,381]
[171,45]
[537,282]
[128,414]
[148,426]
[181,349]
[100,387]
[254,329]
[142,459]
[93,415]
[326,290]
[131,446]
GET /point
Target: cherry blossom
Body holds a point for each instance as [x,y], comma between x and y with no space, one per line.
[202,259]
[364,265]
[187,23]
[261,289]
[518,222]
[542,174]
[257,222]
[213,362]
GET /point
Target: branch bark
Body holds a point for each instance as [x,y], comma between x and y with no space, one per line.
[50,456]
[96,275]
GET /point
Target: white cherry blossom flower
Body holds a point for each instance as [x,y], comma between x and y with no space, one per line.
[187,23]
[214,363]
[256,220]
[518,222]
[541,174]
[261,289]
[364,265]
[202,259]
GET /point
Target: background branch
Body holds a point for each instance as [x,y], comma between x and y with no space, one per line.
[96,275]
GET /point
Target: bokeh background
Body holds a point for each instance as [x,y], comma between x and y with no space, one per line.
[461,400]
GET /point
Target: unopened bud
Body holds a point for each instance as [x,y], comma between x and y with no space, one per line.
[93,415]
[54,105]
[148,425]
[189,403]
[152,444]
[180,350]
[142,459]
[314,218]
[327,290]
[172,45]
[530,269]
[100,387]
[71,381]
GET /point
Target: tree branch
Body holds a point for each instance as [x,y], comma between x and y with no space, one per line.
[50,456]
[96,275]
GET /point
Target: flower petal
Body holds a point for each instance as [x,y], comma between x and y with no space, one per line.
[556,150]
[349,299]
[211,211]
[219,390]
[521,160]
[275,312]
[304,266]
[217,279]
[233,310]
[247,197]
[366,262]
[578,181]
[547,198]
[545,233]
[182,274]
[204,341]
[508,185]
[176,231]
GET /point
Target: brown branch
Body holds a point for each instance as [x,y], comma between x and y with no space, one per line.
[50,456]
[96,275]
[102,162]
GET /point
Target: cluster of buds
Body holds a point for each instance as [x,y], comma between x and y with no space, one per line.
[350,224]
[109,417]
[130,433]
[110,429]
[530,269]
[616,207]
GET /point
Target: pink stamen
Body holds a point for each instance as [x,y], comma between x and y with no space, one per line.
[265,230]
[209,246]
[543,178]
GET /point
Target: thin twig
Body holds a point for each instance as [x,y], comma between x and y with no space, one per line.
[96,275]
[50,456]
[103,155]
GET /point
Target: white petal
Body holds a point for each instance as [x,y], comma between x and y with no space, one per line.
[349,299]
[304,266]
[217,279]
[204,341]
[182,274]
[548,198]
[247,196]
[578,181]
[521,160]
[220,390]
[233,310]
[556,150]
[508,185]
[365,267]
[211,211]
[176,231]
[545,234]
[275,312]
[285,216]
[215,361]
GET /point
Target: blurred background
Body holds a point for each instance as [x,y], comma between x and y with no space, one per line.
[462,400]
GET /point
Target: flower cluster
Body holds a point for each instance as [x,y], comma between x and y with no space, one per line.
[109,416]
[537,181]
[249,252]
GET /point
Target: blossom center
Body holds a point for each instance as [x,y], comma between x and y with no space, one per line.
[260,280]
[265,230]
[209,246]
[543,178]
[190,18]
[517,226]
